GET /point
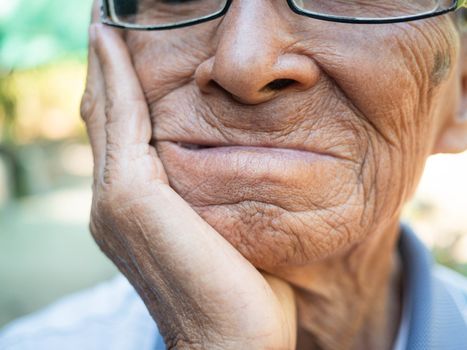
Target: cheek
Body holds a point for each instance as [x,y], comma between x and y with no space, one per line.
[386,72]
[391,75]
[164,61]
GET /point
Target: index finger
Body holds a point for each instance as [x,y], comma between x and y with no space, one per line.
[93,102]
[127,112]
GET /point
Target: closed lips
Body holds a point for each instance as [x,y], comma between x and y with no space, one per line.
[192,146]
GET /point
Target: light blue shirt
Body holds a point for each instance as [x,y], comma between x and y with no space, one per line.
[112,316]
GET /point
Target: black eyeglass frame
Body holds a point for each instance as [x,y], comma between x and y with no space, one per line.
[106,18]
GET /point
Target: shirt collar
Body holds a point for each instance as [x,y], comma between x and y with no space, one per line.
[430,316]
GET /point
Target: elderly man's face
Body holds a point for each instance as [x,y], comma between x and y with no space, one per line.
[336,119]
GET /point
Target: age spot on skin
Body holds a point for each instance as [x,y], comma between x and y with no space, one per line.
[441,68]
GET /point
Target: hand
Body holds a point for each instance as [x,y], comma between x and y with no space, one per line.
[200,290]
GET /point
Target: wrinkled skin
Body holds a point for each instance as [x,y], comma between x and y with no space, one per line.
[366,97]
[365,105]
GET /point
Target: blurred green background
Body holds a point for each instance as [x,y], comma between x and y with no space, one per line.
[45,247]
[45,165]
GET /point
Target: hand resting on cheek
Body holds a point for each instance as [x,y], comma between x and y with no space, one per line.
[199,289]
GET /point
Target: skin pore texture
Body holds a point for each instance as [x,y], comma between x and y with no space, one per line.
[364,98]
[299,141]
[367,98]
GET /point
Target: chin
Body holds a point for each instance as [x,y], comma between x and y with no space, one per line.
[271,237]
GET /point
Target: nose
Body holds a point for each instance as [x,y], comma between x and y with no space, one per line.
[253,61]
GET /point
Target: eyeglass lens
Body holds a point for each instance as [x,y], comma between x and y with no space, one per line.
[163,12]
[169,12]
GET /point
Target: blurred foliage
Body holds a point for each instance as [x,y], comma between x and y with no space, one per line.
[7,149]
[47,102]
[7,107]
[38,105]
[39,31]
[444,255]
[42,49]
[45,161]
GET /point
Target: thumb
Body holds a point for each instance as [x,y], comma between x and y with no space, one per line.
[286,298]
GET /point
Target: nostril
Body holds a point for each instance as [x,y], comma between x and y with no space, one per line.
[279,84]
[214,85]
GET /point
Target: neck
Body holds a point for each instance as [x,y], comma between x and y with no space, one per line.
[353,301]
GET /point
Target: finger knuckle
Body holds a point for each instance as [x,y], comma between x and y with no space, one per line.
[112,198]
[177,342]
[88,106]
[109,108]
[97,233]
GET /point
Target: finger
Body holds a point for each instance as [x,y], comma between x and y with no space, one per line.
[93,111]
[285,295]
[96,10]
[127,114]
[93,101]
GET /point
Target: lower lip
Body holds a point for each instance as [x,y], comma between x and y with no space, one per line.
[257,161]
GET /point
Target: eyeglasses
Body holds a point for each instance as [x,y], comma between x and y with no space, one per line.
[170,14]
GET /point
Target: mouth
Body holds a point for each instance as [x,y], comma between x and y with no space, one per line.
[193,146]
[291,149]
[225,147]
[249,155]
[219,174]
